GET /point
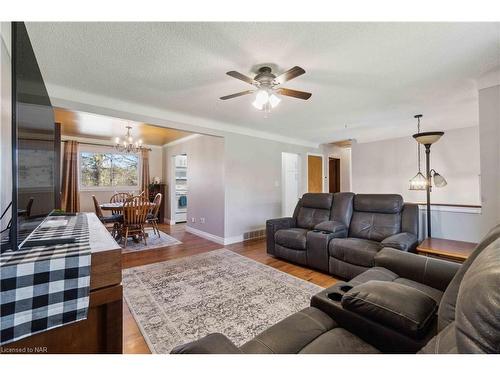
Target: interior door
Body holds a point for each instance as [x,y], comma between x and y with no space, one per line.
[333,175]
[314,174]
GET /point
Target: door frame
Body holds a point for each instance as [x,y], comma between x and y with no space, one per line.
[322,170]
[338,160]
[299,179]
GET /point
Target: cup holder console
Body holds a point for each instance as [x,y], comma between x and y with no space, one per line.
[338,292]
[335,296]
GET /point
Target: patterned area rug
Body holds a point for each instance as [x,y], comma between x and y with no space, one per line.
[153,242]
[184,299]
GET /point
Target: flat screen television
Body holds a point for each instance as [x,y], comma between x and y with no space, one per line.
[35,146]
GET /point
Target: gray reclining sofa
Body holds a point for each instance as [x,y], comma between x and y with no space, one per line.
[341,233]
[408,303]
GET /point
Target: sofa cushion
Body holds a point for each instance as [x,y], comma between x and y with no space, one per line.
[401,307]
[381,203]
[317,200]
[338,341]
[383,274]
[291,334]
[293,238]
[434,293]
[374,226]
[308,218]
[354,250]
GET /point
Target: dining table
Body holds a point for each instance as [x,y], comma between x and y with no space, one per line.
[117,206]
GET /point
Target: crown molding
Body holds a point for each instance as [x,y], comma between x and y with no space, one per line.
[489,79]
[68,98]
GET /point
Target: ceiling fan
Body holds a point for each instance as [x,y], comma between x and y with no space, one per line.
[267,87]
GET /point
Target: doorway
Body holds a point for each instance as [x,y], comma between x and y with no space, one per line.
[180,191]
[314,173]
[333,175]
[289,182]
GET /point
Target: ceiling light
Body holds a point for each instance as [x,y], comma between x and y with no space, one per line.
[128,145]
[274,100]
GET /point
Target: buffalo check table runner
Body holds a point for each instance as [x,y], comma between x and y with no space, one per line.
[45,287]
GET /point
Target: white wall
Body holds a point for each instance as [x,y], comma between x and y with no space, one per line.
[344,154]
[5,122]
[205,180]
[387,166]
[489,129]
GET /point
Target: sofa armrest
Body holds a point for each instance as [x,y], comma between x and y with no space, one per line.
[433,272]
[273,225]
[215,343]
[394,305]
[403,241]
[335,227]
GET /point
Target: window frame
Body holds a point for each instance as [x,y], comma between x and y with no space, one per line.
[107,150]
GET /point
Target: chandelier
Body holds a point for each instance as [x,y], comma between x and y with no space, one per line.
[128,144]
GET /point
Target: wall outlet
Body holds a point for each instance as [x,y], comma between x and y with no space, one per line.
[193,220]
[202,220]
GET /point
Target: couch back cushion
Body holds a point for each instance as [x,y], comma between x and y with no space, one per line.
[477,316]
[314,209]
[446,312]
[376,216]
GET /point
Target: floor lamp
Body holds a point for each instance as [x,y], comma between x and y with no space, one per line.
[419,182]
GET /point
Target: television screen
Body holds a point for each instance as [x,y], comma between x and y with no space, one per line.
[36,172]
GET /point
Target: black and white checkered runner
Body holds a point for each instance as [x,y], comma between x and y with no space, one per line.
[45,287]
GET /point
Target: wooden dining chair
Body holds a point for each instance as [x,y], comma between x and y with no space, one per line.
[113,219]
[135,211]
[152,217]
[119,198]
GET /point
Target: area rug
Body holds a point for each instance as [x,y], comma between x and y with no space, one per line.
[184,299]
[153,242]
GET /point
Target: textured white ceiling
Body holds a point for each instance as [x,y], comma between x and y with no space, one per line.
[367,79]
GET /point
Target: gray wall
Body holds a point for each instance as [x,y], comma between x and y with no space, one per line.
[205,174]
[489,129]
[5,122]
[253,181]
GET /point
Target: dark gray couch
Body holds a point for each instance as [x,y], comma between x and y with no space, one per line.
[467,319]
[341,233]
[378,220]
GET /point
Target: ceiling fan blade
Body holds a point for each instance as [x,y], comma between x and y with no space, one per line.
[289,74]
[236,95]
[242,77]
[294,93]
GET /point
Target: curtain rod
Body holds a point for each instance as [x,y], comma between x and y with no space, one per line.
[94,144]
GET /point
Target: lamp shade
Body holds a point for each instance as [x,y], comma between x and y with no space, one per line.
[439,180]
[428,138]
[419,182]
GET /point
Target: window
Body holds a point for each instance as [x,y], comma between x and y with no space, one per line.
[106,169]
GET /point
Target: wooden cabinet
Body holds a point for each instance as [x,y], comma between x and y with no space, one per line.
[155,189]
[101,332]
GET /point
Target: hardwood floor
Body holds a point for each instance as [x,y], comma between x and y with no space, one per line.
[133,341]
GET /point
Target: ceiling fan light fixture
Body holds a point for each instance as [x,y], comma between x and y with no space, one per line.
[274,100]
